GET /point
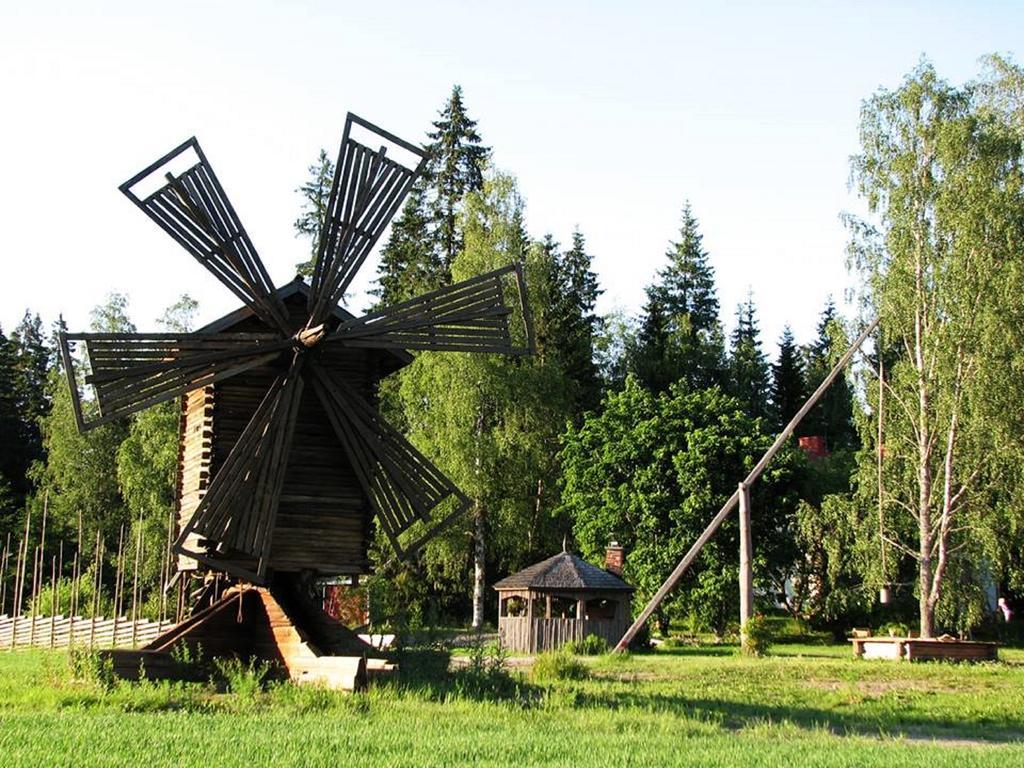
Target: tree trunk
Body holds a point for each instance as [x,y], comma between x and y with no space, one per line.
[478,567]
[479,548]
[924,469]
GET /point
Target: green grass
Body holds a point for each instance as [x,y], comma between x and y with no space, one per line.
[801,706]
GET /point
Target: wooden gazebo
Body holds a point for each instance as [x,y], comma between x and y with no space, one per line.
[560,599]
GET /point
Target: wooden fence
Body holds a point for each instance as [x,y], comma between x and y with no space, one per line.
[62,631]
[519,633]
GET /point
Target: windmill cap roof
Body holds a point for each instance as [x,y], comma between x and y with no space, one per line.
[563,571]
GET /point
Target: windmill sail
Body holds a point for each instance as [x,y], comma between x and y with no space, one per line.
[193,208]
[403,486]
[132,371]
[367,191]
[470,316]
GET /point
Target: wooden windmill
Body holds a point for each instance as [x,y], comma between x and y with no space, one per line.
[285,463]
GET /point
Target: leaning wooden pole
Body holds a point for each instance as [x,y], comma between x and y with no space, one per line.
[723,513]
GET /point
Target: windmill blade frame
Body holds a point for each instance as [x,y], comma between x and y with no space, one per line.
[133,371]
[469,316]
[403,486]
[195,211]
[367,191]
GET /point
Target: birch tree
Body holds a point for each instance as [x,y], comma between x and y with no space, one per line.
[940,257]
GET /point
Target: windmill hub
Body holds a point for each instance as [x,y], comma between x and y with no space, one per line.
[307,338]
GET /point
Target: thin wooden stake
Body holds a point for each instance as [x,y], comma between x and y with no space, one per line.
[99,587]
[135,582]
[3,570]
[53,596]
[19,576]
[118,581]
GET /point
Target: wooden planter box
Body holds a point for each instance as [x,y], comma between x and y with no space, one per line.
[922,649]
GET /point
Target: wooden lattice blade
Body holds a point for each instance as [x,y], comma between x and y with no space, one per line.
[470,316]
[192,207]
[369,187]
[133,371]
[405,489]
[237,514]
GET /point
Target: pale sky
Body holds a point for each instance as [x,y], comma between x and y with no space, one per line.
[610,115]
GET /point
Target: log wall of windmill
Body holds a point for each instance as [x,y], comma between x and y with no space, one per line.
[324,520]
[194,453]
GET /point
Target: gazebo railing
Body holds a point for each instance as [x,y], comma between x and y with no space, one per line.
[519,633]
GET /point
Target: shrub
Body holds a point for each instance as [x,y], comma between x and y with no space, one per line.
[558,665]
[246,679]
[88,666]
[486,675]
[591,645]
[757,635]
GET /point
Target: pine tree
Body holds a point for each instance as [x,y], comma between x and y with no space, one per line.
[574,323]
[409,265]
[11,470]
[686,332]
[455,165]
[832,417]
[647,356]
[316,194]
[32,363]
[748,367]
[788,388]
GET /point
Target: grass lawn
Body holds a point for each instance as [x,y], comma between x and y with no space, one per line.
[801,706]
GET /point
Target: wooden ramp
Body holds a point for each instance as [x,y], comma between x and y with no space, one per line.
[252,622]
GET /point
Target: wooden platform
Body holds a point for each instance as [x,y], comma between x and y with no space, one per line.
[923,649]
[255,622]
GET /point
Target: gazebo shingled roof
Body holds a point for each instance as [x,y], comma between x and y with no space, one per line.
[564,571]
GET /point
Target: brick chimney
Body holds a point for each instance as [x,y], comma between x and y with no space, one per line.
[814,446]
[614,557]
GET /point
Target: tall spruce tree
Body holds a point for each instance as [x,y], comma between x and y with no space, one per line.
[574,323]
[832,417]
[425,238]
[788,388]
[455,163]
[748,366]
[409,263]
[316,194]
[11,471]
[648,352]
[680,337]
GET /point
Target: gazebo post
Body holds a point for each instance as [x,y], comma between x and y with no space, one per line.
[547,608]
[529,621]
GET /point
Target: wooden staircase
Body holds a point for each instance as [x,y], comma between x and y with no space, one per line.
[273,625]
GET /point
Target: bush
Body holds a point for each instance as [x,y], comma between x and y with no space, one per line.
[88,666]
[591,645]
[486,676]
[246,679]
[558,665]
[757,635]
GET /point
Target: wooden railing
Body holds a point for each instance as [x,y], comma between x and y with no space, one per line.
[62,631]
[519,633]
